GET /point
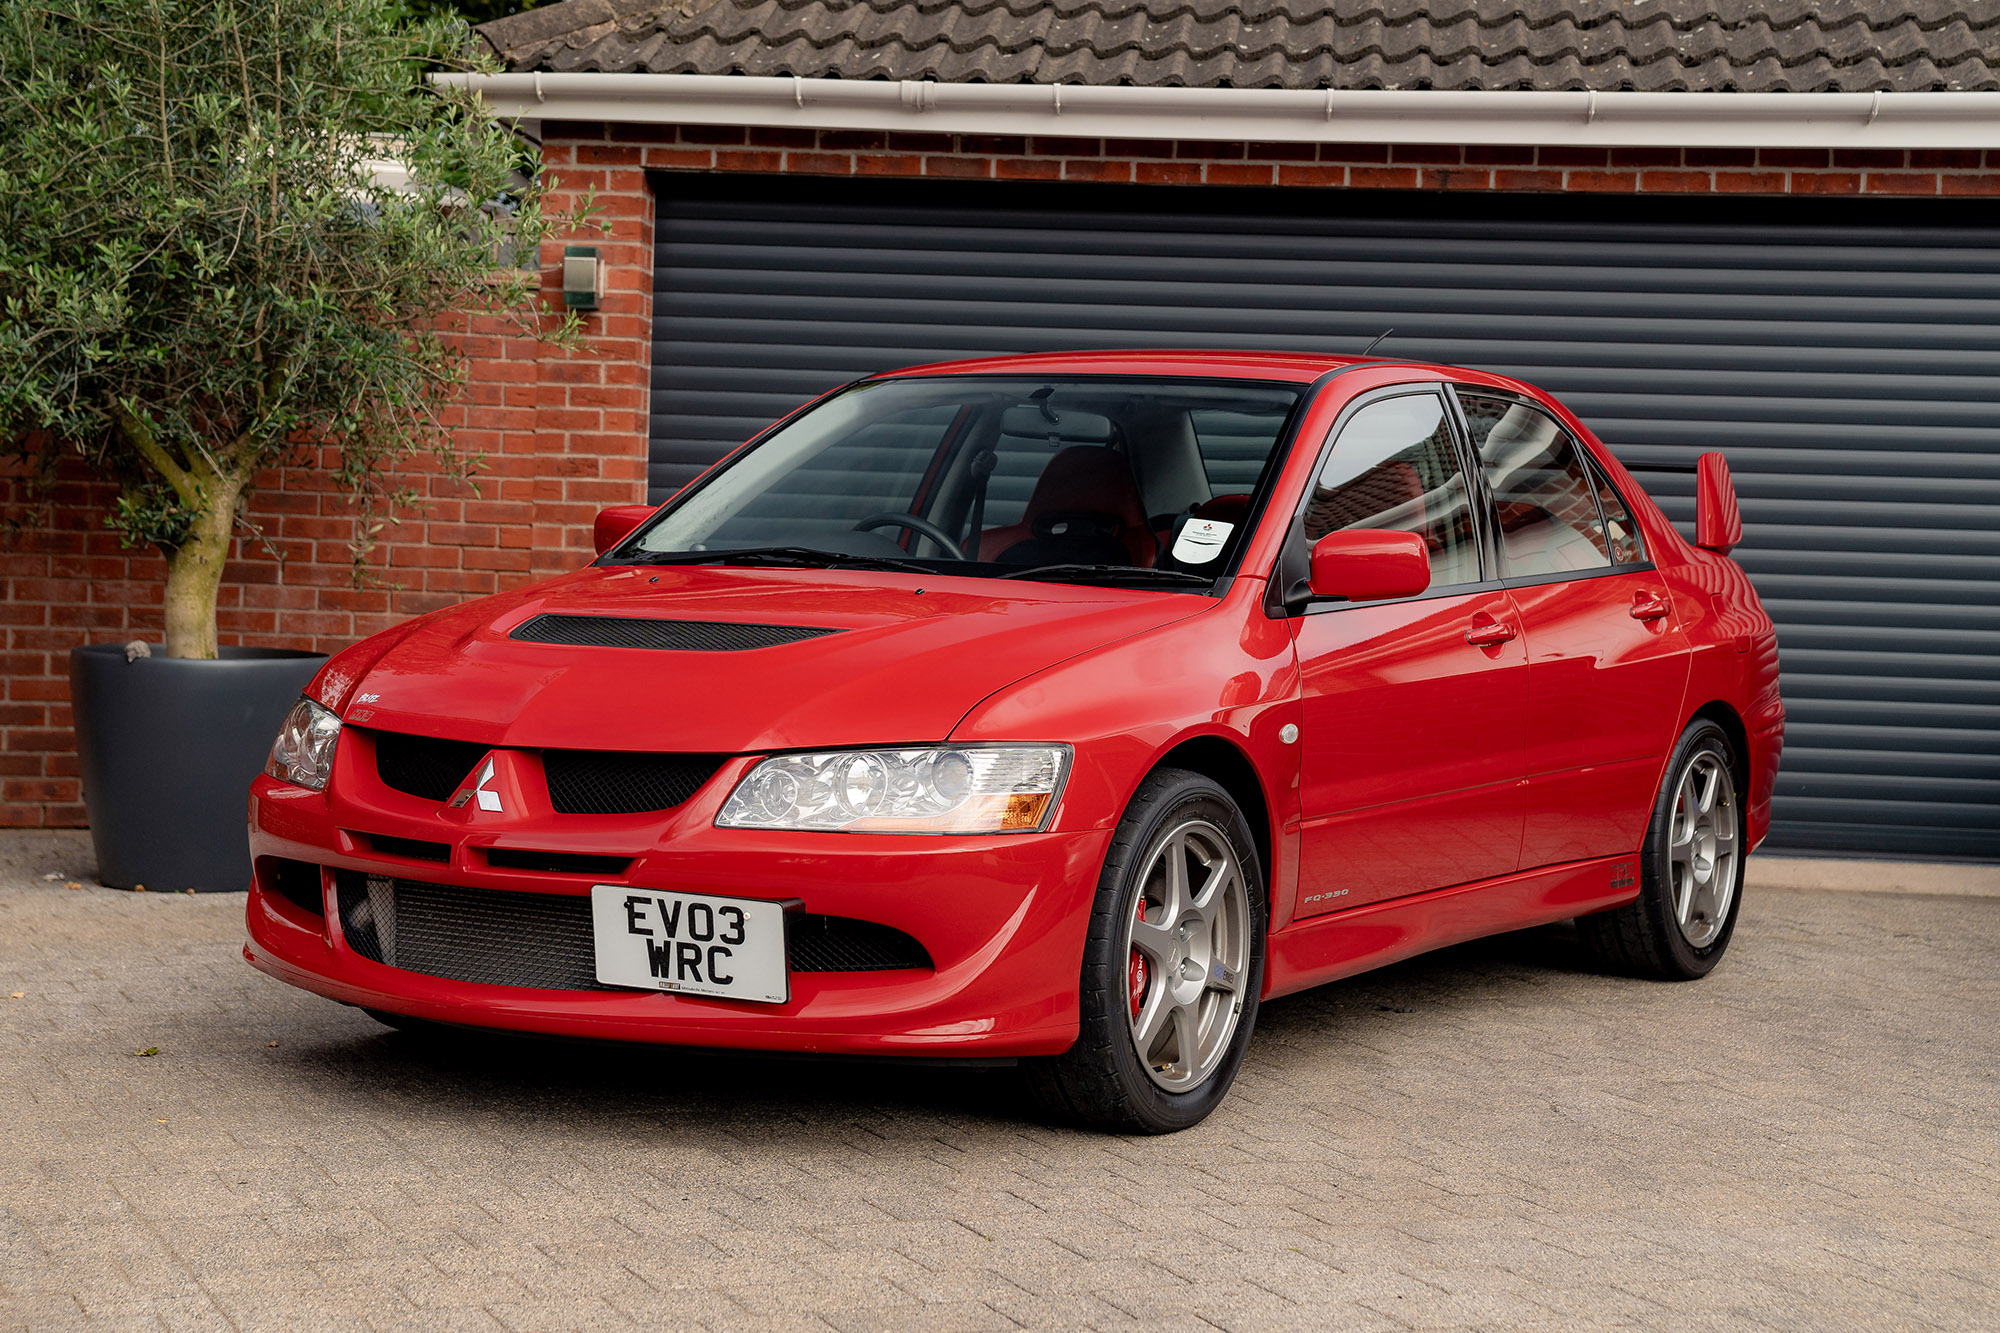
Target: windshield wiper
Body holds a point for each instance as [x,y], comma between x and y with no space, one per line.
[1122,573]
[802,557]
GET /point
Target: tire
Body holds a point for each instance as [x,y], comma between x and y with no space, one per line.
[1190,962]
[1691,869]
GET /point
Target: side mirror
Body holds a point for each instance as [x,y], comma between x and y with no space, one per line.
[1718,523]
[1369,564]
[615,524]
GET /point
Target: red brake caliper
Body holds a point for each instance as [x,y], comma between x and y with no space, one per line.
[1136,974]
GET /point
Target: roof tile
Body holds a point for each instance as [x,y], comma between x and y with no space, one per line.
[1606,45]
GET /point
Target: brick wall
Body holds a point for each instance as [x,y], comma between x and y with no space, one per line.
[1769,171]
[566,433]
[563,435]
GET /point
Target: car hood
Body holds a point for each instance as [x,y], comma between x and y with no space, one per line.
[908,656]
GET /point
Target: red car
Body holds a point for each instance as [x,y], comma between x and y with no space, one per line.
[1053,708]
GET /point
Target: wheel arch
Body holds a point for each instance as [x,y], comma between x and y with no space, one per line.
[1726,717]
[1229,768]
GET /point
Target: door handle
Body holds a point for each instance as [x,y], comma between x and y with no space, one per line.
[1650,606]
[1490,633]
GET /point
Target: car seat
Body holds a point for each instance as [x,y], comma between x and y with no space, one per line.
[1085,510]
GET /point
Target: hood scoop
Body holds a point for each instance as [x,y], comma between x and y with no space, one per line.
[687,636]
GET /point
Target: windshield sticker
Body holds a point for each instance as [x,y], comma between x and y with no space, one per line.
[1201,540]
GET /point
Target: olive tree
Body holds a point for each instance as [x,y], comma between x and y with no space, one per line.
[231,230]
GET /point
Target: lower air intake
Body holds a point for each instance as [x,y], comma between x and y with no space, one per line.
[542,940]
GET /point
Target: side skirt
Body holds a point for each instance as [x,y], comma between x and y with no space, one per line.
[1325,948]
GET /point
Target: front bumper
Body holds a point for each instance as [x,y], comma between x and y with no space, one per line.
[1003,919]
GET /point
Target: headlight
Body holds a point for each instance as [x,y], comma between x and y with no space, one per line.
[303,753]
[938,789]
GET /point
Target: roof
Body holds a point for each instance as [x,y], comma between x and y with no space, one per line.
[1473,45]
[1288,367]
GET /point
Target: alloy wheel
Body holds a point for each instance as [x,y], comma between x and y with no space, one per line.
[1702,849]
[1188,949]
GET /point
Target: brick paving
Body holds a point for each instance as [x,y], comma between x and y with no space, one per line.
[1490,1138]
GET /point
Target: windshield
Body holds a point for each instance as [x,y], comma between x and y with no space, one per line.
[1134,480]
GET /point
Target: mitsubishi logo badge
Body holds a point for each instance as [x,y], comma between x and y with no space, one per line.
[488,800]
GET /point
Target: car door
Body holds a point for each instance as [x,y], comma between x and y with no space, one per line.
[1607,660]
[1413,710]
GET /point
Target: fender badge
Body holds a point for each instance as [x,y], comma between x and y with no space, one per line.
[488,800]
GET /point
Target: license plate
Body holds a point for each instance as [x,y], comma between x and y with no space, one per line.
[690,943]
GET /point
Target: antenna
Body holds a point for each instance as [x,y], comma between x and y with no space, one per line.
[1376,341]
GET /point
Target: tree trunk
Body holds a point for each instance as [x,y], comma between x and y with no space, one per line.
[194,573]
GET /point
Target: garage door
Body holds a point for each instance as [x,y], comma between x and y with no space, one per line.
[1848,365]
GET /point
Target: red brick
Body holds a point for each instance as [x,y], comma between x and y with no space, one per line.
[1796,158]
[1235,173]
[1138,148]
[1605,181]
[1675,182]
[775,137]
[1645,157]
[1573,157]
[1750,182]
[887,164]
[1354,152]
[839,164]
[1316,175]
[1033,168]
[1889,182]
[1499,155]
[1463,178]
[1165,173]
[1427,154]
[1874,158]
[1085,170]
[1527,180]
[972,168]
[1000,144]
[1943,159]
[1988,183]
[923,143]
[753,160]
[1382,178]
[1283,152]
[1825,182]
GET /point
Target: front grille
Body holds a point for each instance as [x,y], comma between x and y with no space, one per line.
[615,782]
[543,940]
[424,765]
[687,636]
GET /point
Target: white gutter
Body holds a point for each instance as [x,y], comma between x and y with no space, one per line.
[1706,120]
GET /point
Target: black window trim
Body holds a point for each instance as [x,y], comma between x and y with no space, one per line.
[1593,471]
[1283,599]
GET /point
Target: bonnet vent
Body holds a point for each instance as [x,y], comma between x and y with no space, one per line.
[687,636]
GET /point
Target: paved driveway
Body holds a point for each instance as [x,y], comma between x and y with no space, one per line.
[1489,1138]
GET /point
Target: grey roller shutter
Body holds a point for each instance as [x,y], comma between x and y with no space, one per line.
[1848,366]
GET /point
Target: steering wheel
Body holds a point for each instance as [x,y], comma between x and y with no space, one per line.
[922,526]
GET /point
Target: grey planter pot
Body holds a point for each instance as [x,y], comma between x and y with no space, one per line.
[168,749]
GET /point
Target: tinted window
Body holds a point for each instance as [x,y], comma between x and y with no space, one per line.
[1619,529]
[1393,466]
[1545,502]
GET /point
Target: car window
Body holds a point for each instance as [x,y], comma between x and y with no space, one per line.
[1619,529]
[1546,505]
[1393,466]
[1234,445]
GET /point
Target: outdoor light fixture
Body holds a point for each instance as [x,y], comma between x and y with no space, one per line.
[583,277]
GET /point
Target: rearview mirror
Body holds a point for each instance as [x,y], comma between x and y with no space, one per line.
[1718,523]
[1369,564]
[615,524]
